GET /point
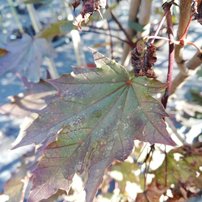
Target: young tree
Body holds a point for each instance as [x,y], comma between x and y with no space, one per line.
[87,120]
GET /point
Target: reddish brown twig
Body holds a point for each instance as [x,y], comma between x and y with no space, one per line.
[111,41]
[123,30]
[104,33]
[167,7]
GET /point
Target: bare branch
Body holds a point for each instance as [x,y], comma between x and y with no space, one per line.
[167,7]
[190,67]
[134,7]
[184,20]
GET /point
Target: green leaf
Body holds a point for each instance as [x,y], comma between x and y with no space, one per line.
[37,1]
[93,121]
[180,173]
[56,29]
[136,26]
[127,170]
[184,169]
[196,96]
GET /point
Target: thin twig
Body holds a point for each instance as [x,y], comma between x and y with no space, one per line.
[104,33]
[15,15]
[193,44]
[186,28]
[102,28]
[158,28]
[110,38]
[76,39]
[140,11]
[175,42]
[160,37]
[34,19]
[122,29]
[167,7]
[132,16]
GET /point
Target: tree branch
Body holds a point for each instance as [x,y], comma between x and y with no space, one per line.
[84,29]
[191,66]
[143,8]
[184,20]
[134,7]
[122,29]
[167,7]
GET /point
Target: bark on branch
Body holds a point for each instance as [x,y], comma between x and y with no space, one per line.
[142,8]
[189,67]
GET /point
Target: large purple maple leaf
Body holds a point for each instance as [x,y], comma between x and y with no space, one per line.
[93,121]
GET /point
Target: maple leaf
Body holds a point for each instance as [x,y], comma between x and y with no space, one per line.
[56,29]
[127,170]
[181,169]
[184,169]
[25,56]
[37,1]
[93,121]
